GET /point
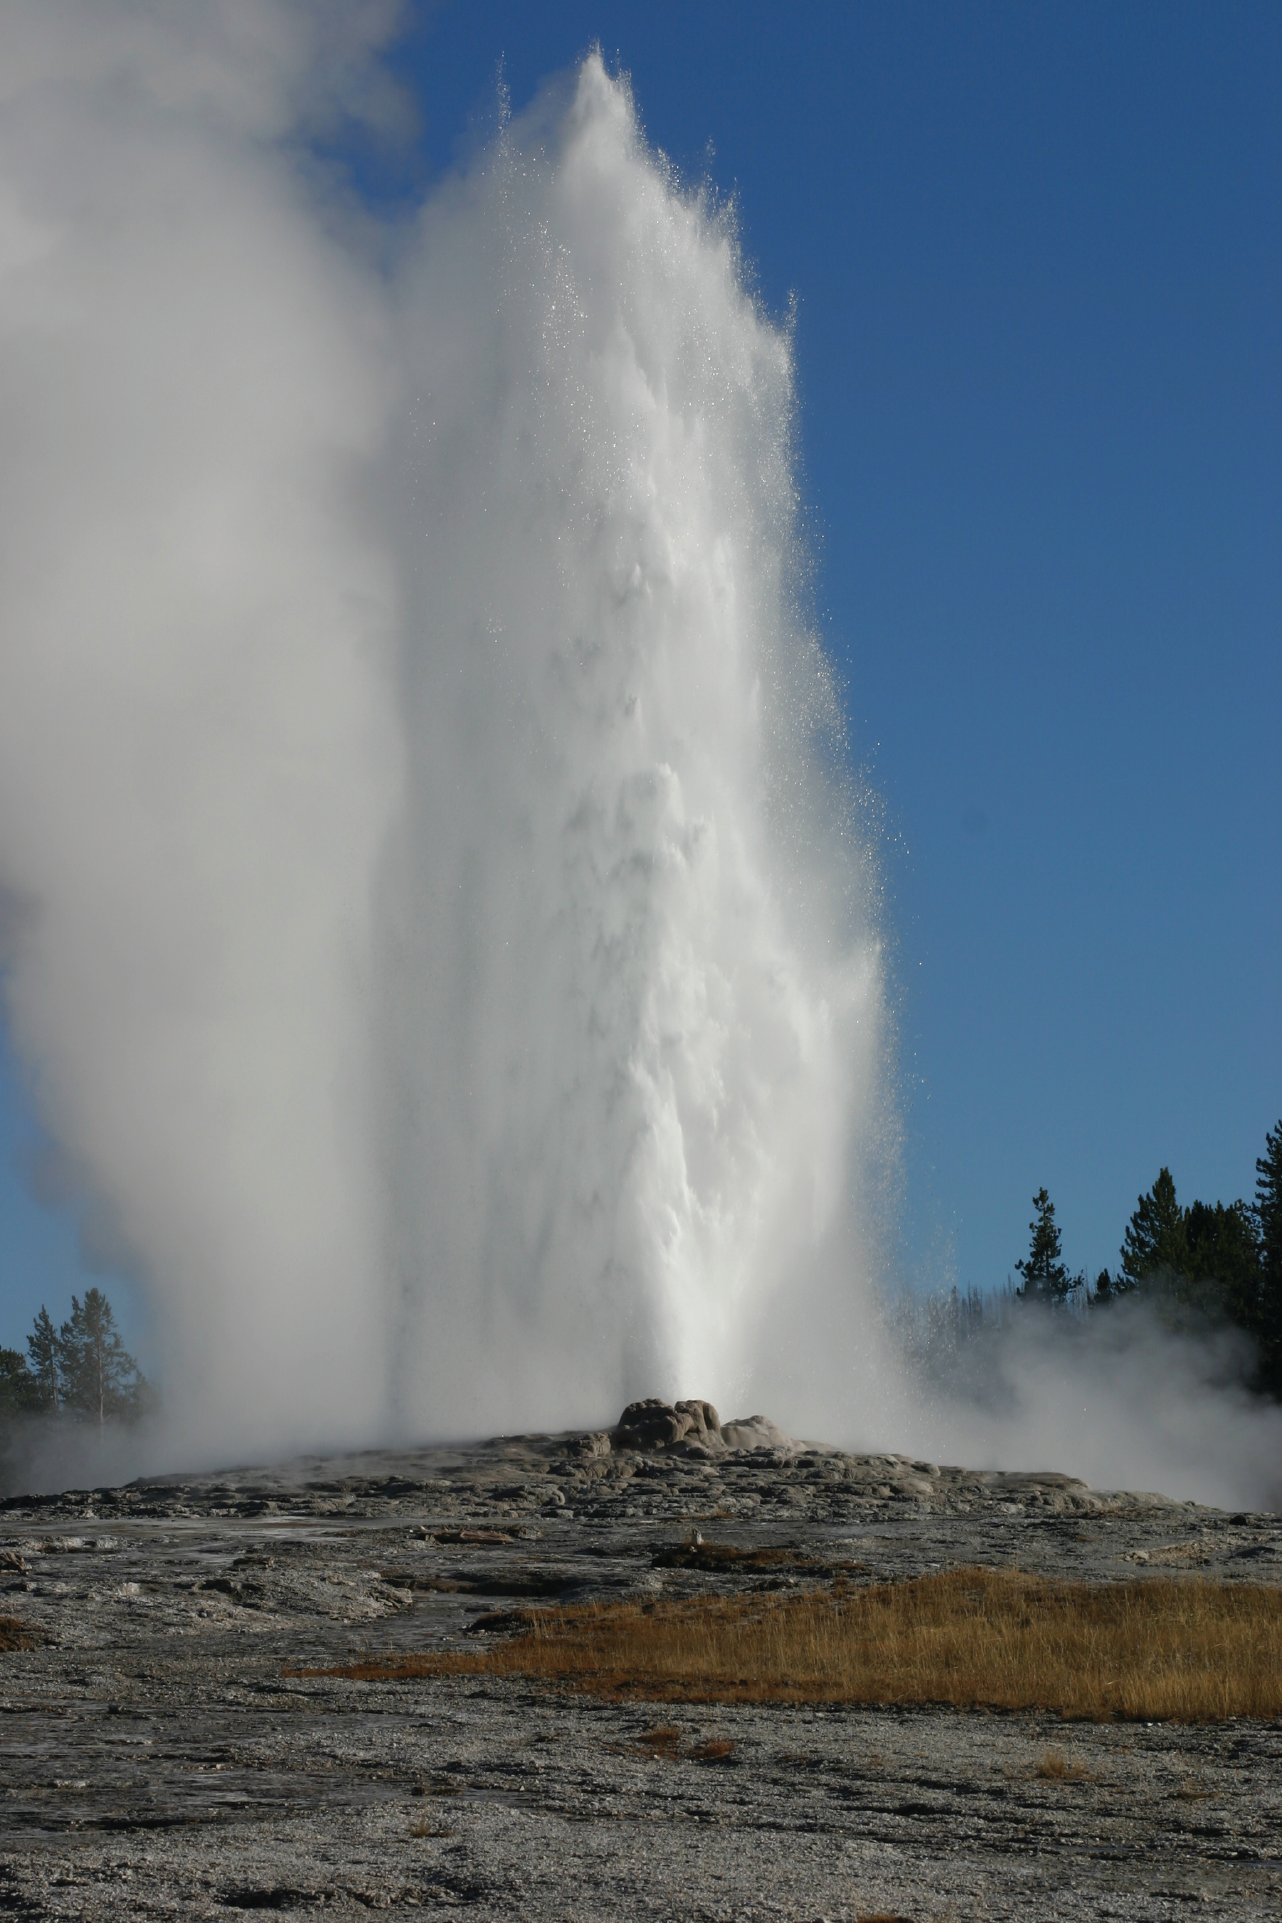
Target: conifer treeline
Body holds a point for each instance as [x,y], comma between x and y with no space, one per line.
[81,1371]
[1210,1261]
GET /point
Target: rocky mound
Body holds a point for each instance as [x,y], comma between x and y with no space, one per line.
[692,1428]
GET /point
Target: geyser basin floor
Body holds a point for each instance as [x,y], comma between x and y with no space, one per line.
[159,1762]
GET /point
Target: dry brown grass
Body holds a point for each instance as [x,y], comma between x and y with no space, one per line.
[1158,1650]
[664,1740]
[1053,1766]
[665,1743]
[421,1826]
[18,1635]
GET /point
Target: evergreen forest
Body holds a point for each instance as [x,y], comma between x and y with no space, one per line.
[1200,1265]
[78,1372]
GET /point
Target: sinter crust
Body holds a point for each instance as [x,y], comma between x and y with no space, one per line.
[158,1759]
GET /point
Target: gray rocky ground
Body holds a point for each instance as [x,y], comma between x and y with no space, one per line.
[158,1761]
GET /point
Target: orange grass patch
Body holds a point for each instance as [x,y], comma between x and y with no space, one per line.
[1155,1650]
[18,1635]
[666,1742]
[1053,1766]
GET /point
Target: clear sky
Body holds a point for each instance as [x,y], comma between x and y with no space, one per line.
[1035,250]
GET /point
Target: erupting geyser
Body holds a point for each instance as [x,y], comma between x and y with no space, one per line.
[618,923]
[438,930]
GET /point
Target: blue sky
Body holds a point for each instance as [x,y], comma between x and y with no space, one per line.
[1035,250]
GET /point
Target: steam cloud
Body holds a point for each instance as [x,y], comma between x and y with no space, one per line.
[427,927]
[434,921]
[1119,1398]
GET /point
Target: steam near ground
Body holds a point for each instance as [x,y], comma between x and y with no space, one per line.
[437,924]
[1118,1397]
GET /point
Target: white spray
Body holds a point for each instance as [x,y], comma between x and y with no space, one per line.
[432,930]
[624,928]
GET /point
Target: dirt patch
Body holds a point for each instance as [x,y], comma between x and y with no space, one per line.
[724,1558]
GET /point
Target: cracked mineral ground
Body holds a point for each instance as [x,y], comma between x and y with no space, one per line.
[159,1761]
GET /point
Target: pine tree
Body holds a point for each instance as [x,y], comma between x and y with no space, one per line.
[1046,1277]
[46,1360]
[19,1391]
[1265,1212]
[100,1378]
[1155,1248]
[1224,1261]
